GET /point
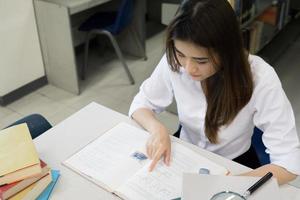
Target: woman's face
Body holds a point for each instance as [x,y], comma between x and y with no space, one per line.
[194,59]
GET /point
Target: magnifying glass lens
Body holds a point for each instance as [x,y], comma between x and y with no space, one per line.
[227,196]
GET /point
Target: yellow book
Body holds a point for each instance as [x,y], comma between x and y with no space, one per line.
[17,154]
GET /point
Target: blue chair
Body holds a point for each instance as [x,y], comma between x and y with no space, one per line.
[36,123]
[256,143]
[259,147]
[109,24]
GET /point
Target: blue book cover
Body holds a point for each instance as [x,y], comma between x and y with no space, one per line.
[46,193]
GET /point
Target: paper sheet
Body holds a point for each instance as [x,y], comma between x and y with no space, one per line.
[205,186]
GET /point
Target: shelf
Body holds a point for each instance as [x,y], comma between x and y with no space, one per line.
[261,6]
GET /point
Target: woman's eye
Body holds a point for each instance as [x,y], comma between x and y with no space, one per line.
[201,62]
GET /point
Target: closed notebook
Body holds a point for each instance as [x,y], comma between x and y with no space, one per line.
[47,192]
[11,189]
[18,156]
[35,189]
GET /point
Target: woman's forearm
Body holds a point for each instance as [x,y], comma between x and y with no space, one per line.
[159,143]
[283,176]
[146,118]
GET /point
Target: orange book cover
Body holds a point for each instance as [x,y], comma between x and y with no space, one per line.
[269,16]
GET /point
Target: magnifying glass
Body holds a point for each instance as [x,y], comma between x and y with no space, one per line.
[229,195]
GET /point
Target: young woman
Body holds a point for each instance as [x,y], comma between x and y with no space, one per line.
[222,93]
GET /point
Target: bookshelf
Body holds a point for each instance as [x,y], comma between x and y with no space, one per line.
[261,20]
[264,20]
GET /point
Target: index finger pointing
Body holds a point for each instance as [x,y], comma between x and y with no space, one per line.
[155,161]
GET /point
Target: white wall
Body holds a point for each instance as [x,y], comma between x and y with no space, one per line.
[20,53]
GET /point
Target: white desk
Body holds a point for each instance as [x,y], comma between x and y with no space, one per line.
[63,140]
[58,38]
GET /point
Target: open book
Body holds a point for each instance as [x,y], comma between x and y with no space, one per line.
[117,162]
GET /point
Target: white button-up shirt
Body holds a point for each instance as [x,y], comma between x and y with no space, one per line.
[268,109]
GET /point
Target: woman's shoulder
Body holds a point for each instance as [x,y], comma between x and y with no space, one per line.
[262,72]
[164,65]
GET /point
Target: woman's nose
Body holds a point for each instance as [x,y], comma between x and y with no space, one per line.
[190,66]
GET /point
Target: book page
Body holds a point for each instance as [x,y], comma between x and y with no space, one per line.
[165,182]
[109,160]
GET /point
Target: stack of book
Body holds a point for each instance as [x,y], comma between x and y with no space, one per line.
[22,174]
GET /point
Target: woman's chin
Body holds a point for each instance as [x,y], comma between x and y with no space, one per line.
[197,78]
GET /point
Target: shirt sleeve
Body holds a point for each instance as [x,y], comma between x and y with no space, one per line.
[275,117]
[156,92]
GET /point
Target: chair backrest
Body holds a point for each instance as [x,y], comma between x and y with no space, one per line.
[124,16]
[36,123]
[256,142]
[259,147]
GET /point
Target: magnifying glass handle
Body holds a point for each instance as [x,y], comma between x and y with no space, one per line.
[256,185]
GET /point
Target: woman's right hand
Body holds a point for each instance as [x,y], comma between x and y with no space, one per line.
[159,145]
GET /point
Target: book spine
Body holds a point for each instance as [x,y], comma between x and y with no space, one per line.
[2,193]
[281,15]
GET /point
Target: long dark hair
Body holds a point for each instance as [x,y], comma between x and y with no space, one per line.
[212,24]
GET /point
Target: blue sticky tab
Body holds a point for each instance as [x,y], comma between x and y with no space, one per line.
[139,156]
[203,171]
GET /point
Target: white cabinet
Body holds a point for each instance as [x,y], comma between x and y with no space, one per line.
[20,53]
